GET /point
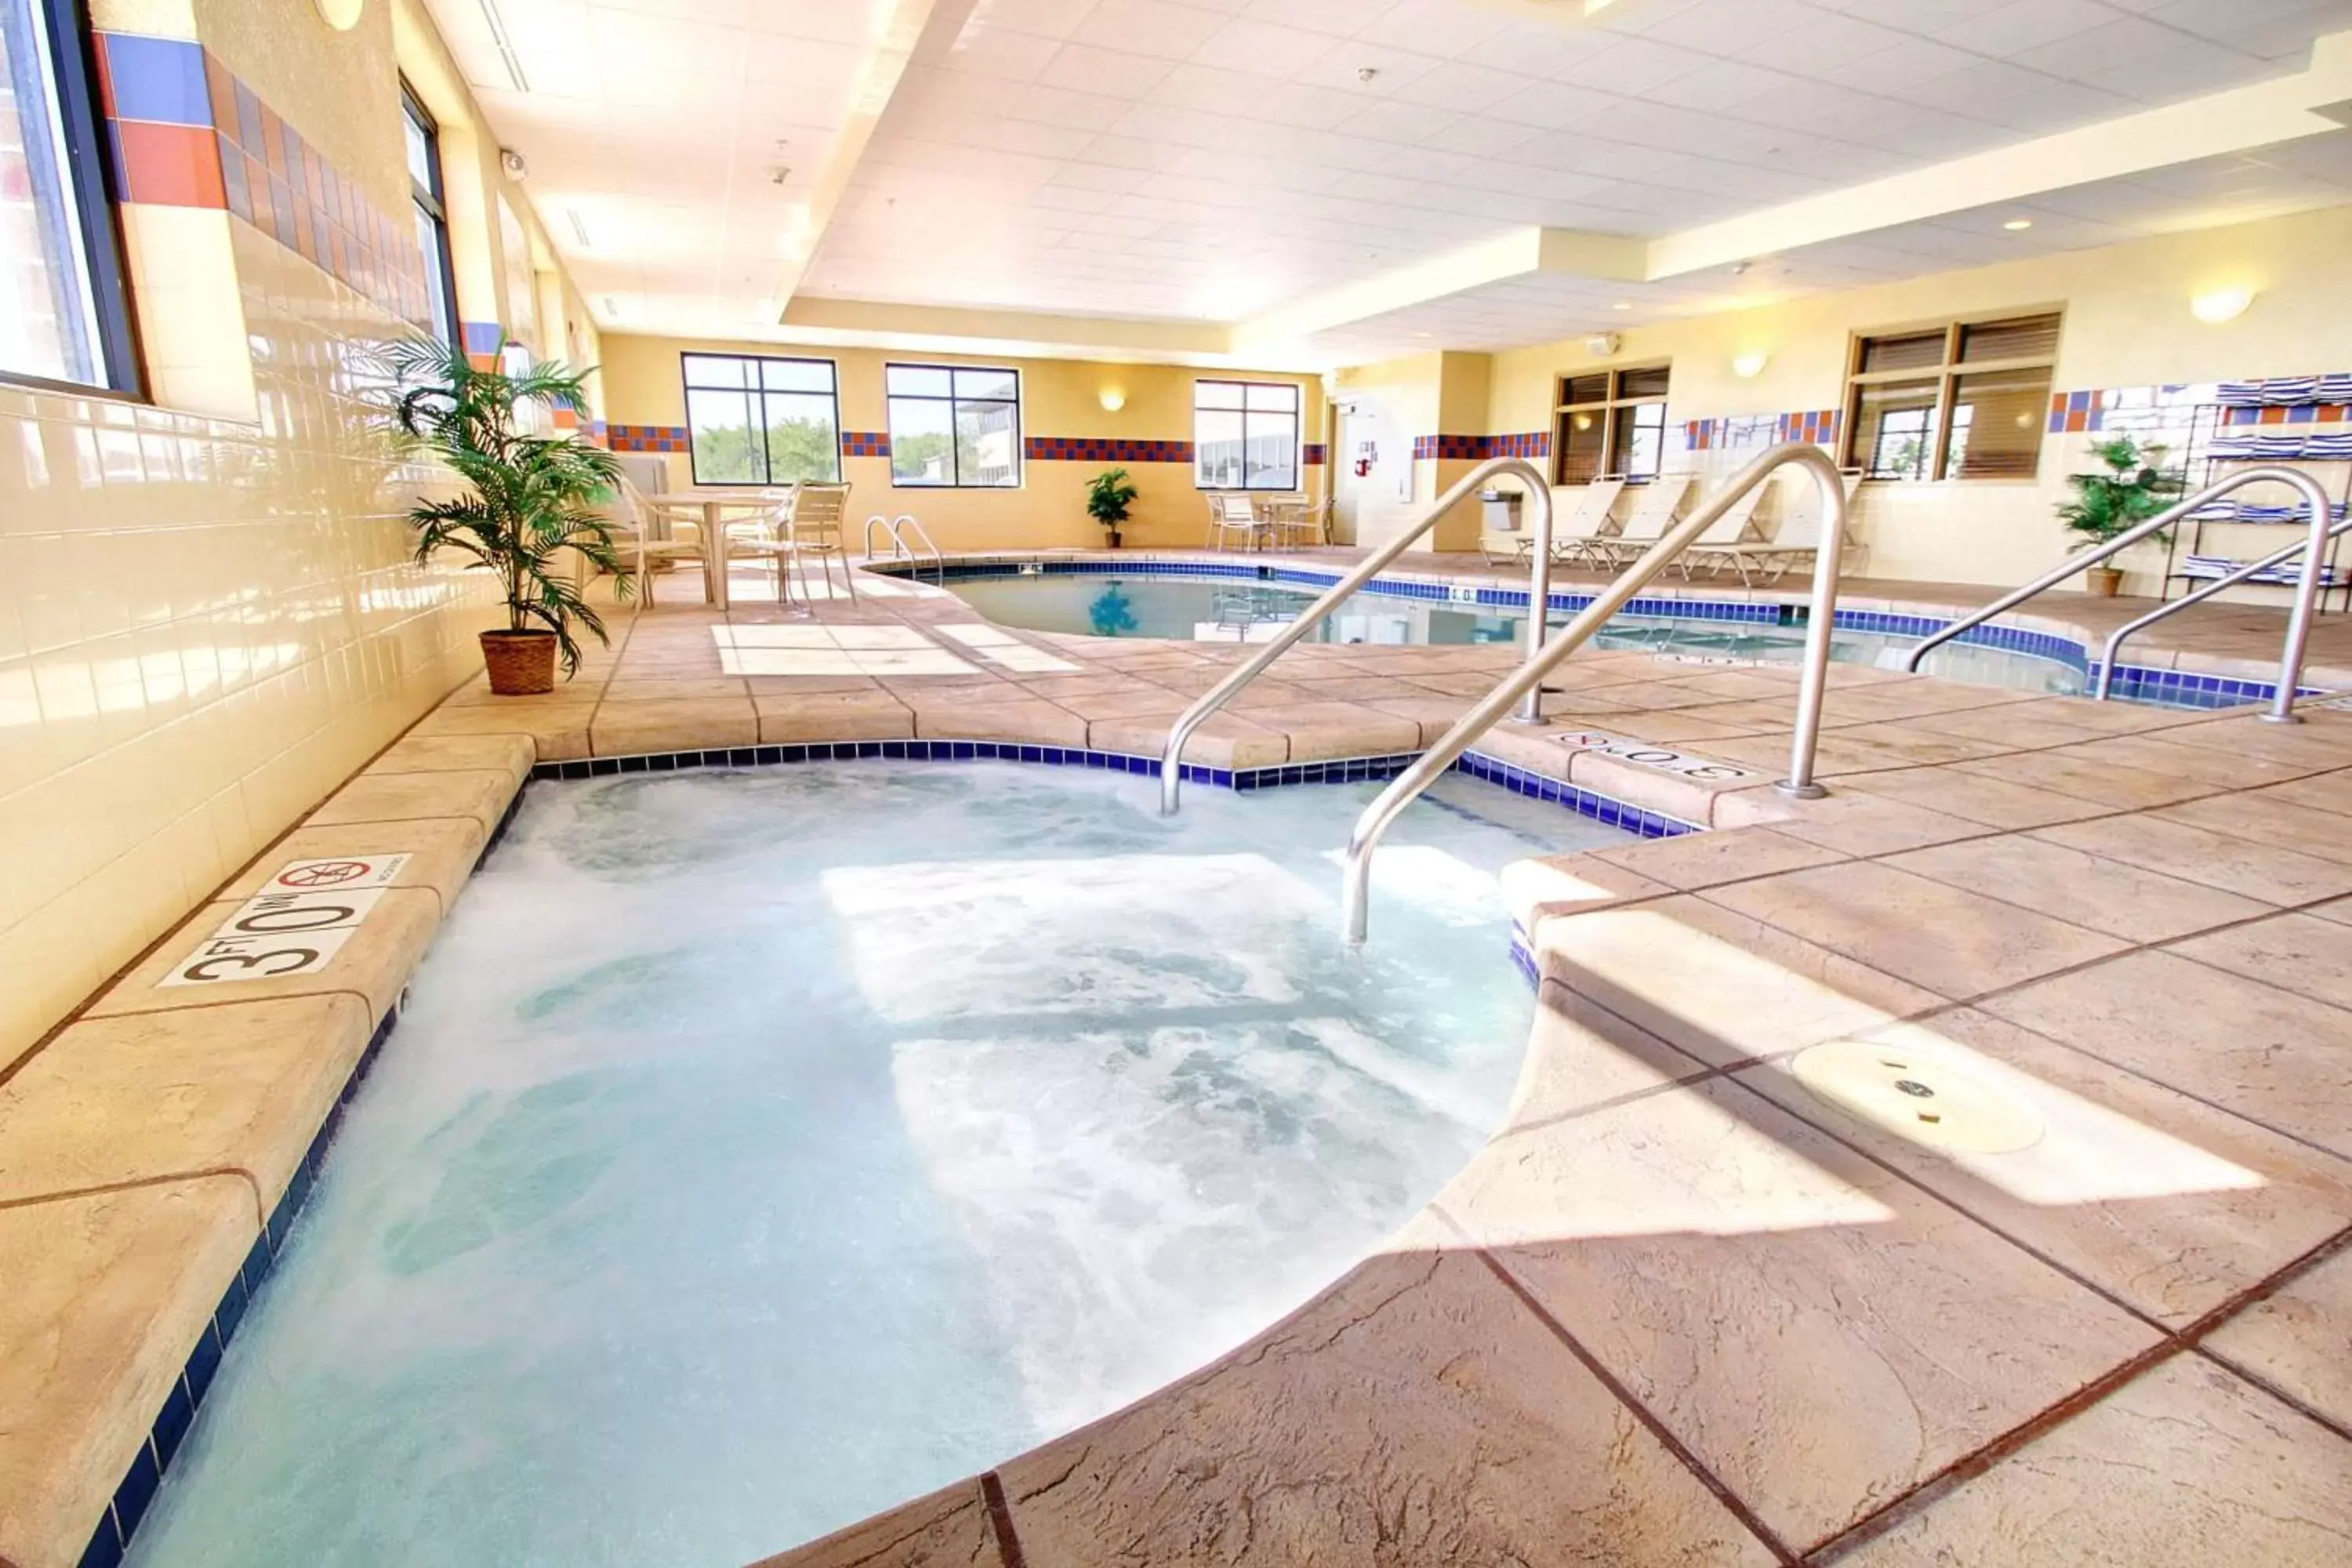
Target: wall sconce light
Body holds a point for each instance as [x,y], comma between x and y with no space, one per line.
[1748,366]
[1113,400]
[2220,305]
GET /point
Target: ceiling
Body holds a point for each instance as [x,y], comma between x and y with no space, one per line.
[1226,161]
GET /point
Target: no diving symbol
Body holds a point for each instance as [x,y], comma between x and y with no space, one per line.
[325,873]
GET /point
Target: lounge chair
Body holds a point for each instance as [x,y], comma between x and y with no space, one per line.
[1661,504]
[1798,543]
[1735,527]
[1571,536]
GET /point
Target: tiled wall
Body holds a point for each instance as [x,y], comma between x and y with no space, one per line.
[205,623]
[1103,449]
[1478,449]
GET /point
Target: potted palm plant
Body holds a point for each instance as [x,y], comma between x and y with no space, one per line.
[2134,489]
[526,500]
[1107,499]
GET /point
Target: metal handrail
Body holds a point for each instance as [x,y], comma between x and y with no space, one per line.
[1539,600]
[899,548]
[1527,680]
[2109,654]
[2307,594]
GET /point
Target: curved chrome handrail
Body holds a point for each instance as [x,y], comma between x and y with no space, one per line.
[899,548]
[2307,594]
[1538,598]
[1527,679]
[2115,641]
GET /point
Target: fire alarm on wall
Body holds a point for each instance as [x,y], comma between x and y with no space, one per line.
[1604,344]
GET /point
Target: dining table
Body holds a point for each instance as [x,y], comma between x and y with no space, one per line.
[707,511]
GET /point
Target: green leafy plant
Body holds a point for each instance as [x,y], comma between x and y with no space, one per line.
[1110,496]
[2134,489]
[528,496]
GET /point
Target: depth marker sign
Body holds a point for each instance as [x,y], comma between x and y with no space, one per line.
[302,918]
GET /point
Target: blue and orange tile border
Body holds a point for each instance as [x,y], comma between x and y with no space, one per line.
[1103,449]
[185,131]
[1479,449]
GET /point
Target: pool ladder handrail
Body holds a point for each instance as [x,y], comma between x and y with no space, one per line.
[1526,683]
[2109,654]
[1538,593]
[901,550]
[2306,592]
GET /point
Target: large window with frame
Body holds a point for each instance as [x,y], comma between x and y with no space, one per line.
[755,420]
[1965,400]
[1609,422]
[63,315]
[1245,435]
[432,212]
[954,425]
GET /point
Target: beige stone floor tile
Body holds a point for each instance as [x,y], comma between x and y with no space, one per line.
[107,1295]
[2270,1056]
[2185,1466]
[2322,741]
[2082,888]
[2295,953]
[1697,861]
[1540,888]
[2299,1339]
[442,850]
[2340,911]
[513,754]
[2164,1203]
[1846,820]
[948,1529]
[680,688]
[808,685]
[1581,1058]
[1972,796]
[1150,703]
[373,964]
[1033,722]
[2103,784]
[1415,1415]
[1686,726]
[1321,730]
[2156,753]
[834,716]
[1834,755]
[1942,938]
[1359,687]
[2267,820]
[2043,721]
[1222,741]
[1717,985]
[1431,715]
[2193,854]
[242,1088]
[634,729]
[1679,796]
[557,734]
[1927,742]
[478,794]
[1819,1332]
[2320,792]
[1768,718]
[1920,699]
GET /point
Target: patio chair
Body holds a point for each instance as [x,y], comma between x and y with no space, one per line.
[812,523]
[1660,505]
[1231,513]
[1295,520]
[1581,538]
[1797,543]
[661,537]
[1735,527]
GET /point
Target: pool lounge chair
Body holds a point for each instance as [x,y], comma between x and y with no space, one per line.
[1735,527]
[1661,504]
[1589,522]
[1798,543]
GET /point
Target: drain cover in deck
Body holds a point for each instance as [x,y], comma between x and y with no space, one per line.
[1924,1097]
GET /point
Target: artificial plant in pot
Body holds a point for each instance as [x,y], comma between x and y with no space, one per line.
[1107,500]
[2134,489]
[526,500]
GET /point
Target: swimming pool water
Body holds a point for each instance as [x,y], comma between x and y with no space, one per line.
[1224,610]
[760,1149]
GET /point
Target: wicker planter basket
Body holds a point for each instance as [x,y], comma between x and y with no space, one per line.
[521,663]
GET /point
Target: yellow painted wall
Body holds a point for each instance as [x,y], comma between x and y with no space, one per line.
[1395,402]
[207,622]
[2126,324]
[643,386]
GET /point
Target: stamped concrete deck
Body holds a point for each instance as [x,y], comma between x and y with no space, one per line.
[1680,1311]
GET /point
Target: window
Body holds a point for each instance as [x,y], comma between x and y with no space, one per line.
[758,421]
[432,214]
[63,317]
[1609,422]
[1966,401]
[1244,436]
[952,424]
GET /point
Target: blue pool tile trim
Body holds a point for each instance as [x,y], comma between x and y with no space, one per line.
[137,1489]
[2134,682]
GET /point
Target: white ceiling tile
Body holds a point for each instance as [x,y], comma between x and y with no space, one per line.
[1082,67]
[1000,52]
[1263,49]
[1148,27]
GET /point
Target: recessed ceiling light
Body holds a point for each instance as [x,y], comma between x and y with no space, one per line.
[2016,223]
[1623,305]
[579,228]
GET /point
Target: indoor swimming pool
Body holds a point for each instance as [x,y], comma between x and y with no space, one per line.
[760,1148]
[1221,609]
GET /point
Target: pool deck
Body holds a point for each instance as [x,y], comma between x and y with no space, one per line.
[1680,1310]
